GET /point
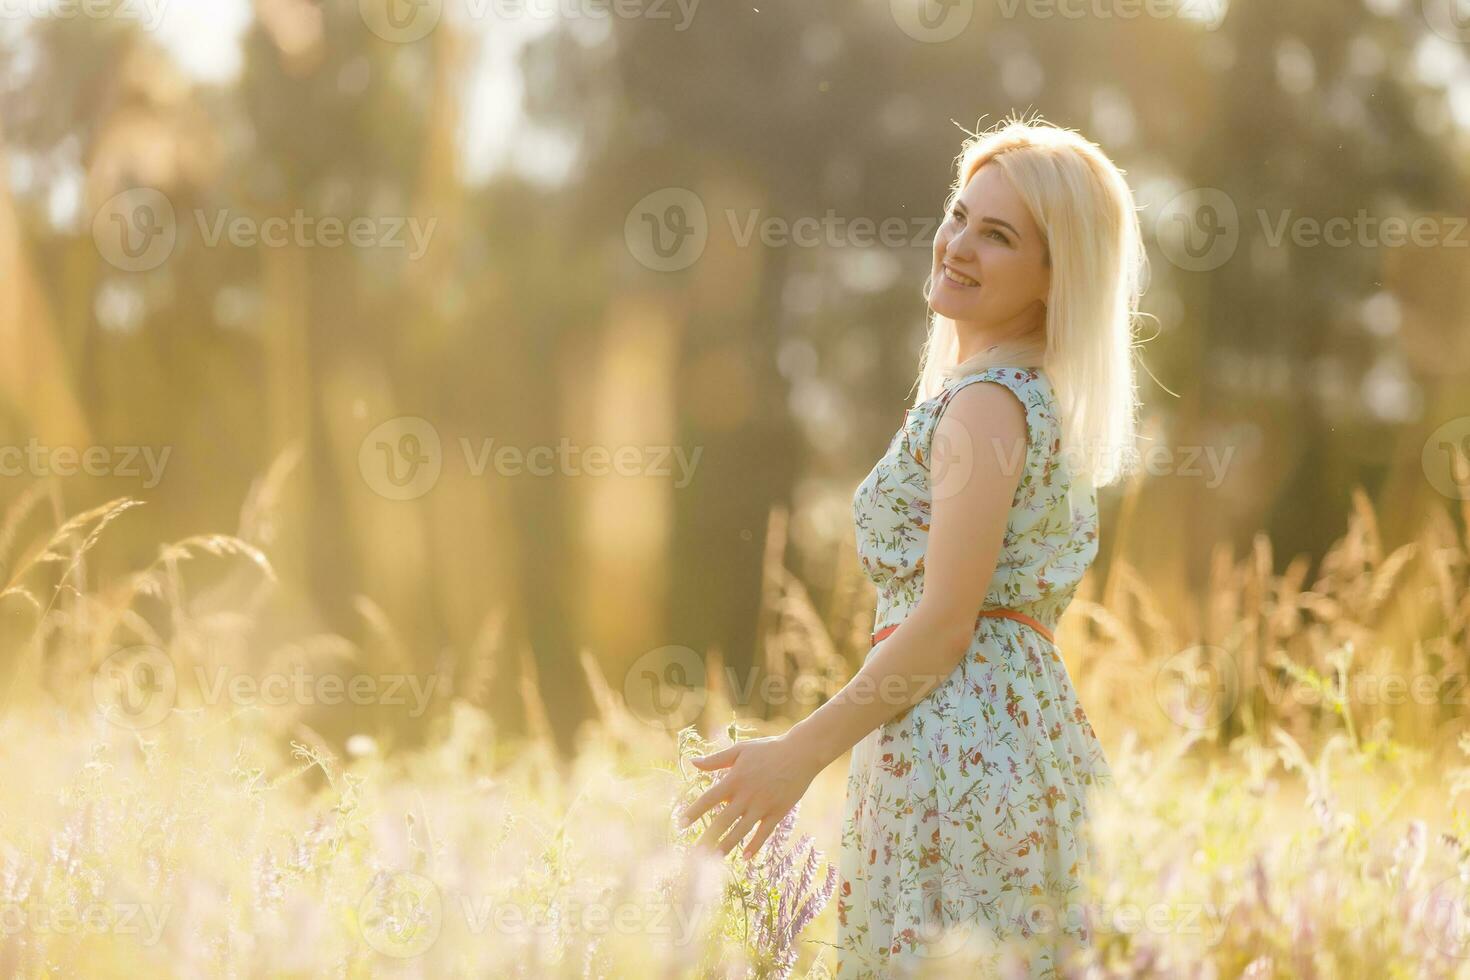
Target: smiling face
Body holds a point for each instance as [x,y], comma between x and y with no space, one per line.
[989,258]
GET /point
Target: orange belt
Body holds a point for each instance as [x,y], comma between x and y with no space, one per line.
[1001,613]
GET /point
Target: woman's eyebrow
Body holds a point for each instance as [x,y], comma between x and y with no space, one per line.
[1007,224]
[960,207]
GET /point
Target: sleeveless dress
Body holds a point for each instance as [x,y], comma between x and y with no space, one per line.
[964,823]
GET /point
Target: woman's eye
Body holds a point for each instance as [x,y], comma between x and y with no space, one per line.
[999,234]
[957,216]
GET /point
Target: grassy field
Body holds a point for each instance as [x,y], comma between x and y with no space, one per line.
[1291,758]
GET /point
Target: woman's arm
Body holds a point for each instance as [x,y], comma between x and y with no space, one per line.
[976,463]
[978,455]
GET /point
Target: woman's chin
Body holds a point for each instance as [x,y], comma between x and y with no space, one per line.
[945,306]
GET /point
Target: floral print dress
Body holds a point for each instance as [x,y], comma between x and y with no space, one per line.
[964,825]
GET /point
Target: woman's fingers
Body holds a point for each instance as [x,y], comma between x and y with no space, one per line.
[767,825]
[717,793]
[733,839]
[720,791]
[718,826]
[717,760]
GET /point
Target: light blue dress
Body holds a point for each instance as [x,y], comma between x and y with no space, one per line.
[965,817]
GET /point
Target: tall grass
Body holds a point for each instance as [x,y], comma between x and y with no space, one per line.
[1280,811]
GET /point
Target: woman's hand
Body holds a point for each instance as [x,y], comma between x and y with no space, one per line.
[766,778]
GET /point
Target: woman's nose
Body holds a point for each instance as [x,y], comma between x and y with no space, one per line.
[960,249]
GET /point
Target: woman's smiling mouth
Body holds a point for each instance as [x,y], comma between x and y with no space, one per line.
[959,278]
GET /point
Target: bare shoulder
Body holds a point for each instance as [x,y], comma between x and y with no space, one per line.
[982,433]
[986,408]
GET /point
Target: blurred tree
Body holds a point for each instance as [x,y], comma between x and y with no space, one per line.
[536,315]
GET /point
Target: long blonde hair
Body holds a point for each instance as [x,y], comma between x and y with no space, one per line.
[1085,210]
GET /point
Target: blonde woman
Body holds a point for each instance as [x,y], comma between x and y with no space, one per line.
[973,764]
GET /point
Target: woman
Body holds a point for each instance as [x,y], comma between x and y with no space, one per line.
[973,763]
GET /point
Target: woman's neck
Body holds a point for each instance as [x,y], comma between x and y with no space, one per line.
[1027,330]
